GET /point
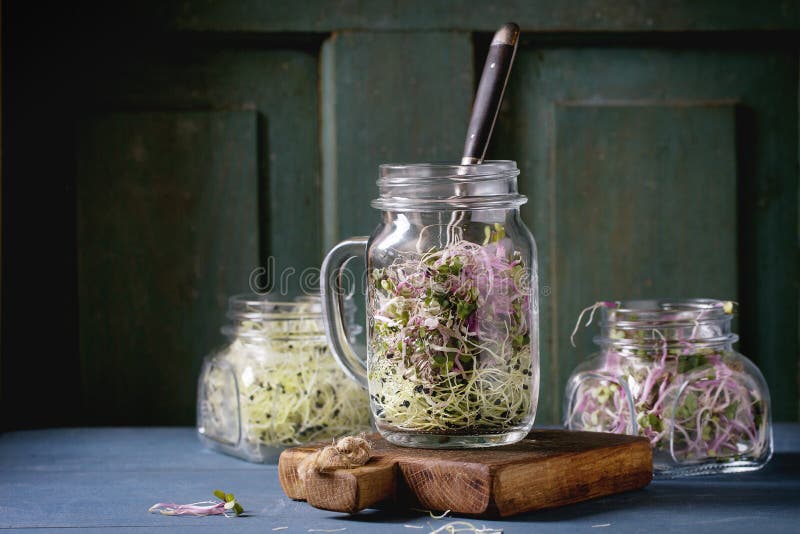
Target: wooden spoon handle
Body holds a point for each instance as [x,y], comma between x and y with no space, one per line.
[490,93]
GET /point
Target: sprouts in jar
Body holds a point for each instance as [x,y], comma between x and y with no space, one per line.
[452,312]
[275,385]
[667,371]
[450,340]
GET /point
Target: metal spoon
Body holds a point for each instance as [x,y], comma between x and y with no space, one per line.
[490,93]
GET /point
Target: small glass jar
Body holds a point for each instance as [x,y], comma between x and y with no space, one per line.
[452,312]
[667,370]
[275,384]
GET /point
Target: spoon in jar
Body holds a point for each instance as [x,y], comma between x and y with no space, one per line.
[491,88]
[490,93]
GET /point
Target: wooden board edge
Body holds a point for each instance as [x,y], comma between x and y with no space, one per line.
[470,480]
[335,492]
[290,482]
[379,485]
[634,463]
[344,490]
[352,490]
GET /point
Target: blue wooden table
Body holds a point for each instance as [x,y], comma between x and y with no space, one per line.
[104,479]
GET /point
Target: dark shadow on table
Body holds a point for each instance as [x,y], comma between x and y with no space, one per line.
[383,516]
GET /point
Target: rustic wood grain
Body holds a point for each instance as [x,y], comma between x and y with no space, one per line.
[549,468]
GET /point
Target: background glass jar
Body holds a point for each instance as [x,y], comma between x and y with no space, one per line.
[275,384]
[667,370]
[452,311]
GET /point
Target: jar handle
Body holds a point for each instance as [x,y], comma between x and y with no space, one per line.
[332,307]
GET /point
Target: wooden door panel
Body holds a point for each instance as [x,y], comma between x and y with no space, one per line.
[281,87]
[726,125]
[178,207]
[643,199]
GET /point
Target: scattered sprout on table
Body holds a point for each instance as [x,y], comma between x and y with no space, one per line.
[455,527]
[227,506]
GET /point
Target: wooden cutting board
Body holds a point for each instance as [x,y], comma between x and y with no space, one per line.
[549,468]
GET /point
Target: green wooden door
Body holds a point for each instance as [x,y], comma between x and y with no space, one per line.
[658,147]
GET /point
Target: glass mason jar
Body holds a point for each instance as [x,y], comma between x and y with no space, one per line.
[452,312]
[275,384]
[667,370]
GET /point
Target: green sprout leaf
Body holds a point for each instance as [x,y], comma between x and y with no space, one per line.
[500,232]
[730,411]
[464,309]
[231,503]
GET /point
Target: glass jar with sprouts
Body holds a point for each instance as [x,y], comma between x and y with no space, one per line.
[667,370]
[452,314]
[275,384]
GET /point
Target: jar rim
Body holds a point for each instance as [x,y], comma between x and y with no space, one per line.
[278,318]
[258,318]
[655,323]
[400,173]
[666,312]
[253,306]
[448,186]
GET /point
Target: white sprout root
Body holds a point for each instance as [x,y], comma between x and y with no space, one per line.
[464,526]
[440,516]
